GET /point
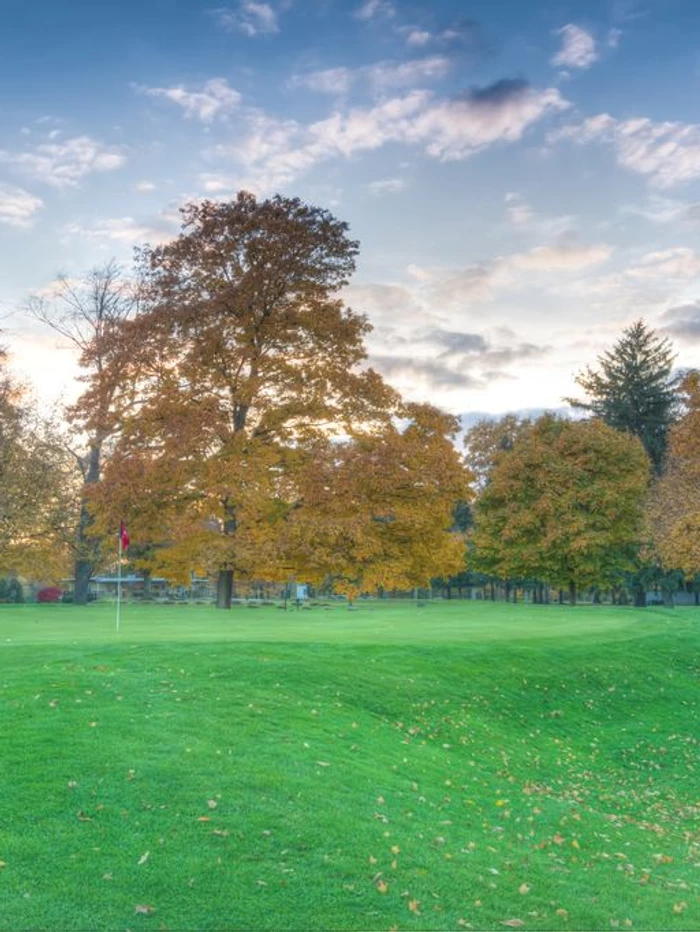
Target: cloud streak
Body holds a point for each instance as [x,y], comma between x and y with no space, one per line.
[214,99]
[275,151]
[252,19]
[382,76]
[18,207]
[65,164]
[667,153]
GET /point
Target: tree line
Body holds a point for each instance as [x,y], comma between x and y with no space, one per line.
[228,417]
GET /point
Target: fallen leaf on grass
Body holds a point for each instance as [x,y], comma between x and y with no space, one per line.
[144,858]
[221,832]
[83,817]
[524,888]
[212,803]
[382,886]
[3,864]
[513,923]
[558,839]
[679,907]
[204,818]
[144,909]
[414,906]
[323,763]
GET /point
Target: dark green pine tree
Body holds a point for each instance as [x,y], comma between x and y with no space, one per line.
[633,389]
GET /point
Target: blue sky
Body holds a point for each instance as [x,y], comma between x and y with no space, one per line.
[524,178]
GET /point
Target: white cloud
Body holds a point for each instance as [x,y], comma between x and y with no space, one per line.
[453,288]
[677,264]
[387,186]
[215,99]
[613,39]
[145,186]
[578,48]
[375,8]
[65,164]
[381,76]
[667,153]
[252,19]
[455,129]
[418,37]
[277,151]
[125,230]
[326,81]
[18,207]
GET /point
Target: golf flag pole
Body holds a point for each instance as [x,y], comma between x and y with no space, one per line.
[123,544]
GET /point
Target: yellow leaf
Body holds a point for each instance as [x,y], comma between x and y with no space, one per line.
[414,905]
[144,909]
[513,923]
[382,886]
[212,803]
[524,888]
[3,864]
[679,907]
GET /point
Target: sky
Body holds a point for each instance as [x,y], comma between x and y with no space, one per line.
[523,178]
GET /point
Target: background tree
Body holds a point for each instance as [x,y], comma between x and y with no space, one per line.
[674,502]
[243,355]
[377,511]
[36,488]
[633,389]
[563,506]
[87,313]
[488,440]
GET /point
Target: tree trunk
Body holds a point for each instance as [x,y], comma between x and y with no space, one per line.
[224,584]
[83,572]
[224,589]
[572,593]
[640,597]
[85,545]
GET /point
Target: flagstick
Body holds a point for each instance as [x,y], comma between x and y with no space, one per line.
[119,580]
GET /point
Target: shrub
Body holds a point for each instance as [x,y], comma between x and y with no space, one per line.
[11,590]
[49,594]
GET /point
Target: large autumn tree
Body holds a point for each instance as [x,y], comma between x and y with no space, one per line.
[674,506]
[376,509]
[244,354]
[87,314]
[564,505]
[633,389]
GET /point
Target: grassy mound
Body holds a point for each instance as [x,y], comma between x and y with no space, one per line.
[456,766]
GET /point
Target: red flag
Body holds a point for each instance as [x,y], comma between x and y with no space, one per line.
[124,536]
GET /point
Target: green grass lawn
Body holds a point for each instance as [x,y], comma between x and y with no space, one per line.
[456,766]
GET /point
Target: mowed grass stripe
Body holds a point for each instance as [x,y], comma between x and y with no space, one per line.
[231,772]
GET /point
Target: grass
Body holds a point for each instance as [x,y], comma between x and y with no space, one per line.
[455,766]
